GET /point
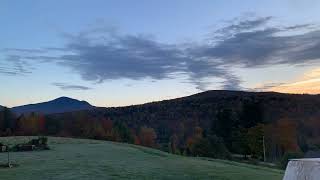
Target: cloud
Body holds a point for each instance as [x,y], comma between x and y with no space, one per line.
[21,50]
[232,83]
[266,86]
[103,54]
[118,56]
[133,57]
[238,25]
[252,45]
[66,86]
[14,65]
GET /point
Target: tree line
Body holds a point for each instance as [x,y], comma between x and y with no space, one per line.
[228,134]
[80,126]
[257,126]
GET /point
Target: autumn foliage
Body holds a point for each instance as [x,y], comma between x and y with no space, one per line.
[281,137]
[147,137]
[196,128]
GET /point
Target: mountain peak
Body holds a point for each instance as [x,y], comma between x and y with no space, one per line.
[58,105]
[64,98]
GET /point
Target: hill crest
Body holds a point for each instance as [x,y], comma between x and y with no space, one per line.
[58,105]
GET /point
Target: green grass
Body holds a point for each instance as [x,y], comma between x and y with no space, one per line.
[90,159]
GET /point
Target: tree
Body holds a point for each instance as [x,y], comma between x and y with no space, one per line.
[53,126]
[251,114]
[281,137]
[147,137]
[107,126]
[173,144]
[240,143]
[194,139]
[95,130]
[122,132]
[41,124]
[7,121]
[287,130]
[212,146]
[255,140]
[28,124]
[224,125]
[136,139]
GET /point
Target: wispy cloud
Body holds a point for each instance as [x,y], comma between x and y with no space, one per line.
[266,86]
[66,86]
[14,65]
[264,46]
[21,50]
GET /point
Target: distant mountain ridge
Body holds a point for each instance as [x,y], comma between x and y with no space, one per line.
[59,105]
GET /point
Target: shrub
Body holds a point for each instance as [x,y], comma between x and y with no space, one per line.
[212,146]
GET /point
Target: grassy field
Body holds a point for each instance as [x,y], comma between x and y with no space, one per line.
[90,159]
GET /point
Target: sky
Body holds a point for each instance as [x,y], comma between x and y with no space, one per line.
[118,53]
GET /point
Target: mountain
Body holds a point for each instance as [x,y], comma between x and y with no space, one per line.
[203,109]
[1,107]
[59,105]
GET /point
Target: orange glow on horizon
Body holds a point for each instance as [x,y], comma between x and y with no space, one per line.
[309,83]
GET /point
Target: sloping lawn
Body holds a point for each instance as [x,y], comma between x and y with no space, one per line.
[90,159]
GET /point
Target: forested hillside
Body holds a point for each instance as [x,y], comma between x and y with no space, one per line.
[288,122]
[212,123]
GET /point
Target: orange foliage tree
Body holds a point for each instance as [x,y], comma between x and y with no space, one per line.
[107,126]
[32,124]
[194,138]
[281,137]
[147,137]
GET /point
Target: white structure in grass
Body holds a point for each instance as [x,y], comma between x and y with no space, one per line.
[303,169]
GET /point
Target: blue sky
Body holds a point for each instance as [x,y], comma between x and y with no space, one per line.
[115,53]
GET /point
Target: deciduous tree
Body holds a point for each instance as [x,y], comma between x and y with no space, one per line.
[147,137]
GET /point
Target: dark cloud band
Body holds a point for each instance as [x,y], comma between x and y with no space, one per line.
[66,86]
[103,55]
